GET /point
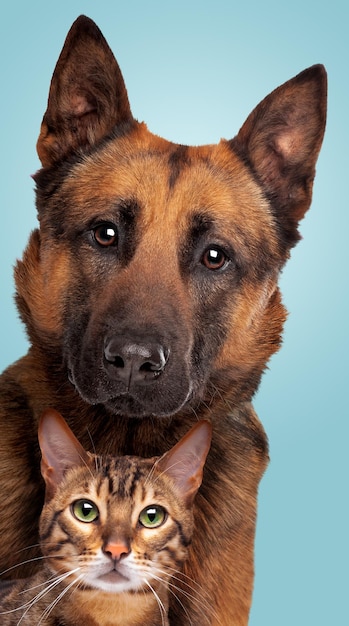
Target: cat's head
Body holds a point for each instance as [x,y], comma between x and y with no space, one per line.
[117,523]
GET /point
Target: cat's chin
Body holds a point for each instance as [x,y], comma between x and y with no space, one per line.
[111,582]
[113,578]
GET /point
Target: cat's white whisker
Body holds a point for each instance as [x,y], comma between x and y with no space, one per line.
[150,475]
[10,569]
[44,592]
[54,603]
[97,459]
[183,576]
[168,467]
[34,545]
[201,604]
[175,595]
[54,584]
[56,577]
[92,442]
[177,598]
[196,599]
[30,603]
[163,611]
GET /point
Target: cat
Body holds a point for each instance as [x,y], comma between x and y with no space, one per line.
[113,532]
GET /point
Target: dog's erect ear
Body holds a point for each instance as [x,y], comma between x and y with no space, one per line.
[280,142]
[87,96]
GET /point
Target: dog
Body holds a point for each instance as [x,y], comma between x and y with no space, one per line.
[150,297]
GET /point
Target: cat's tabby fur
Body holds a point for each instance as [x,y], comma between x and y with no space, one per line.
[113,531]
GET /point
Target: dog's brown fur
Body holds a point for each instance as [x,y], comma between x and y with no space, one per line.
[217,320]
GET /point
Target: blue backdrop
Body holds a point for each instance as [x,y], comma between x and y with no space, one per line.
[194,70]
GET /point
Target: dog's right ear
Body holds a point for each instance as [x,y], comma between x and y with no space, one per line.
[87,97]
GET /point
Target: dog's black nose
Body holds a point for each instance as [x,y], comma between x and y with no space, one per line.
[134,361]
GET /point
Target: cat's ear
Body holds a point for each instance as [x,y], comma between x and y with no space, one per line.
[60,450]
[184,463]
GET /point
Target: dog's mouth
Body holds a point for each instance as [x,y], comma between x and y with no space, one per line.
[125,404]
[162,398]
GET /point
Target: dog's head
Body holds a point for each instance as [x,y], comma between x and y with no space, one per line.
[154,273]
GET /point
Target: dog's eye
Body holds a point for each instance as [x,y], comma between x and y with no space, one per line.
[214,258]
[105,235]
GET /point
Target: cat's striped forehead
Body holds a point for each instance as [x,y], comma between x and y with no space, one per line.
[121,477]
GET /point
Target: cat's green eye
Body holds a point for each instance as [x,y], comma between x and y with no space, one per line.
[85,511]
[152,516]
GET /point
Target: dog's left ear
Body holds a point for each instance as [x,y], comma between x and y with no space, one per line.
[280,142]
[87,97]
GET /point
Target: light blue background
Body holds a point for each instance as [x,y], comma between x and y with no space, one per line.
[194,70]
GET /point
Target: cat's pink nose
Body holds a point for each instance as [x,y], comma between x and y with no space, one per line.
[116,551]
